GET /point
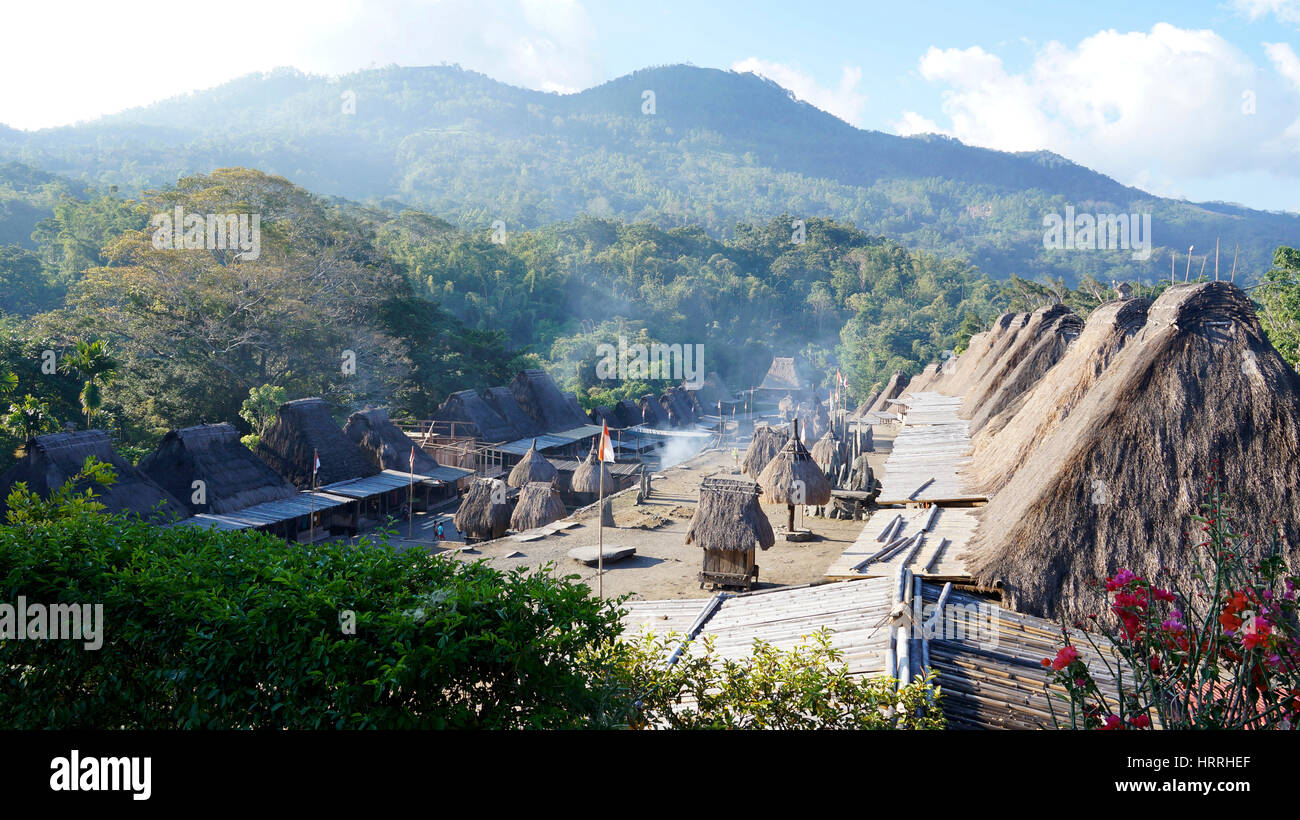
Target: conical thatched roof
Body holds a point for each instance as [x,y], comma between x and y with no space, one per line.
[783,375]
[1115,483]
[532,467]
[480,516]
[1036,347]
[893,389]
[591,474]
[539,504]
[792,477]
[1006,440]
[304,426]
[763,447]
[728,517]
[52,459]
[387,447]
[233,476]
[826,449]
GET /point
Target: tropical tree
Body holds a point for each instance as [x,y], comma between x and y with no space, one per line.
[93,364]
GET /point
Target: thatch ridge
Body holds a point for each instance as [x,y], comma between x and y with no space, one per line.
[653,412]
[539,504]
[1006,440]
[233,476]
[893,389]
[478,517]
[384,443]
[540,397]
[301,427]
[469,407]
[504,404]
[1116,483]
[782,374]
[52,459]
[728,517]
[983,349]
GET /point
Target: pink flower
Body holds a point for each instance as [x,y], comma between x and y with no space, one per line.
[1113,722]
[1064,657]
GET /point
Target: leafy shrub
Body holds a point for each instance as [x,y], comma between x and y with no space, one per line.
[239,630]
[1218,650]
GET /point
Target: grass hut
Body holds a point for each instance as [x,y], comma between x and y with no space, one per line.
[540,397]
[678,407]
[653,412]
[826,452]
[603,414]
[1040,344]
[763,447]
[865,407]
[590,475]
[628,413]
[1114,484]
[467,408]
[539,504]
[533,467]
[728,524]
[924,379]
[484,513]
[387,447]
[233,476]
[504,404]
[303,428]
[52,459]
[792,477]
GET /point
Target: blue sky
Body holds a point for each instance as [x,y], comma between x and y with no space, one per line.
[1192,99]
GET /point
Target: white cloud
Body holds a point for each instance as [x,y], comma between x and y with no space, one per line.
[1287,11]
[133,55]
[845,101]
[913,123]
[1143,107]
[1284,61]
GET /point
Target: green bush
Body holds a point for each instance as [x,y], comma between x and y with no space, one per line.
[241,630]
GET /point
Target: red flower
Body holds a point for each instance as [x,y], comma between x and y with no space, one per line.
[1113,722]
[1140,721]
[1064,657]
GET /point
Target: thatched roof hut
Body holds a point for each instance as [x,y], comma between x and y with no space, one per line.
[469,408]
[784,376]
[539,504]
[628,413]
[233,476]
[792,477]
[504,403]
[711,393]
[603,414]
[484,513]
[653,412]
[984,350]
[786,406]
[532,467]
[540,397]
[924,379]
[677,404]
[1004,443]
[826,450]
[304,427]
[1036,347]
[591,475]
[893,389]
[763,447]
[728,517]
[52,459]
[1115,483]
[387,447]
[865,406]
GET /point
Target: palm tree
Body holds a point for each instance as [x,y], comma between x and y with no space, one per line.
[91,361]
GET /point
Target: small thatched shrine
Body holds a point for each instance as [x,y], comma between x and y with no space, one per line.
[827,452]
[303,428]
[728,524]
[387,447]
[792,477]
[533,467]
[232,476]
[484,512]
[763,447]
[539,504]
[591,475]
[52,459]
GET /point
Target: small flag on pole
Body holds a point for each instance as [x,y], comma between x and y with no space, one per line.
[606,452]
[315,468]
[412,459]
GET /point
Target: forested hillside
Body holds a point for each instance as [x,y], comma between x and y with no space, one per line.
[720,148]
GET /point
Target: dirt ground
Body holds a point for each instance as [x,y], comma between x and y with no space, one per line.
[663,566]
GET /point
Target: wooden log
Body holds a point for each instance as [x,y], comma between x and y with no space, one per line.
[934,559]
[884,534]
[929,519]
[920,489]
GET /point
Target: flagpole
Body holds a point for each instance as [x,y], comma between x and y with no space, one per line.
[600,529]
[410,500]
[311,516]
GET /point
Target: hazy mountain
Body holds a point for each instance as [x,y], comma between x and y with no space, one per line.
[719,148]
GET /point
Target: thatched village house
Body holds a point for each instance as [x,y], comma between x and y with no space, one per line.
[783,378]
[391,450]
[894,388]
[792,477]
[484,512]
[468,409]
[1114,483]
[209,462]
[303,430]
[712,394]
[728,524]
[653,412]
[539,504]
[533,467]
[52,459]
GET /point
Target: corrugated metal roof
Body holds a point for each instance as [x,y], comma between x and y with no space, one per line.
[272,512]
[544,442]
[448,474]
[374,485]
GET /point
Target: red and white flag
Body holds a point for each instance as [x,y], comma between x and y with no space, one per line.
[606,451]
[315,468]
[412,459]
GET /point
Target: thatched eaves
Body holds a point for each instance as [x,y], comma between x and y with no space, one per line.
[232,476]
[728,517]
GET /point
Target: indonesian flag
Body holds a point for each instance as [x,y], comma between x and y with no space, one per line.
[606,451]
[315,466]
[412,459]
